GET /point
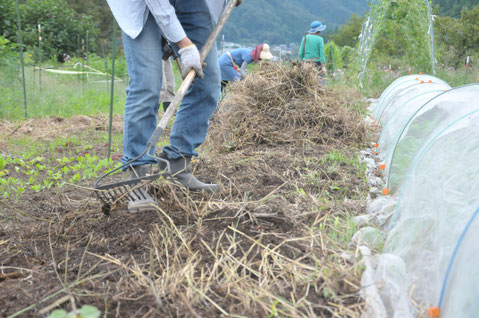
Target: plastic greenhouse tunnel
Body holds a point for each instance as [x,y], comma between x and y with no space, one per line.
[429,151]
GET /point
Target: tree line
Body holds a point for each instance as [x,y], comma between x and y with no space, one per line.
[65,26]
[455,37]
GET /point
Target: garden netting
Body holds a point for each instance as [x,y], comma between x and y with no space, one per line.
[430,145]
[460,291]
[428,119]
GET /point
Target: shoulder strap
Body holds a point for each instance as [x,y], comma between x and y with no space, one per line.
[231,57]
[304,44]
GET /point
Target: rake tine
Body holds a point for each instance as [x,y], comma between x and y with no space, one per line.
[119,193]
[142,193]
[136,193]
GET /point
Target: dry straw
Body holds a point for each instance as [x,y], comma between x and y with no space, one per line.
[283,104]
[274,243]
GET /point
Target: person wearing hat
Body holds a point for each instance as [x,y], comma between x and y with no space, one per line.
[233,64]
[312,45]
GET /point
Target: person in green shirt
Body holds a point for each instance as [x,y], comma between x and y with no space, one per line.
[313,50]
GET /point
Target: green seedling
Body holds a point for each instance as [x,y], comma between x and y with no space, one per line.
[48,184]
[76,177]
[301,191]
[3,162]
[86,311]
[27,155]
[327,294]
[274,311]
[19,190]
[37,187]
[65,160]
[56,176]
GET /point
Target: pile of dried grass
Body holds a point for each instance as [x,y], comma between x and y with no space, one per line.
[284,104]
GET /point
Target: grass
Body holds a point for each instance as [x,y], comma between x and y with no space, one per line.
[60,95]
[378,77]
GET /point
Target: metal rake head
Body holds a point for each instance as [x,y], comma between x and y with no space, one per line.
[132,190]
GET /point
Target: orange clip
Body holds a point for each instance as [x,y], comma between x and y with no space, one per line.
[382,166]
[430,81]
[376,145]
[374,123]
[417,78]
[420,73]
[422,82]
[371,117]
[375,153]
[433,312]
[386,191]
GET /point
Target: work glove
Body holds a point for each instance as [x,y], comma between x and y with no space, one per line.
[190,59]
[238,2]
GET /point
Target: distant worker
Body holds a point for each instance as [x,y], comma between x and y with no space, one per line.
[233,64]
[312,46]
[168,84]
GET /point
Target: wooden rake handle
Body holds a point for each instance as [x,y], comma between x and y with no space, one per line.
[205,50]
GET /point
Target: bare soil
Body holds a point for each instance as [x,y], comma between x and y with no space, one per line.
[271,244]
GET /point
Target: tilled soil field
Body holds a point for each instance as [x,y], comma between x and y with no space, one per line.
[273,243]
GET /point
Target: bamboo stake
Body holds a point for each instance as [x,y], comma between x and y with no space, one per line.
[112,87]
[19,35]
[39,57]
[82,55]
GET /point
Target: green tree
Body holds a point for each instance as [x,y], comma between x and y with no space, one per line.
[8,18]
[453,8]
[61,27]
[347,34]
[457,38]
[333,57]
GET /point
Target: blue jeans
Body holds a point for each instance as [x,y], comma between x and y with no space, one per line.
[144,63]
[228,71]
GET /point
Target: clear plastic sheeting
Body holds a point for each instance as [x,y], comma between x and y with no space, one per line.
[383,282]
[398,114]
[429,151]
[460,289]
[426,122]
[434,205]
[404,96]
[398,85]
[404,93]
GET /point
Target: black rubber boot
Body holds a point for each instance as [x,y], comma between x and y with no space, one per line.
[180,170]
[140,200]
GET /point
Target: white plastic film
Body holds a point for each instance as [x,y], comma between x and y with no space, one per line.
[435,203]
[400,84]
[426,122]
[460,290]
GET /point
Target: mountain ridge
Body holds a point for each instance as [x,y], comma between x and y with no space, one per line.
[282,22]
